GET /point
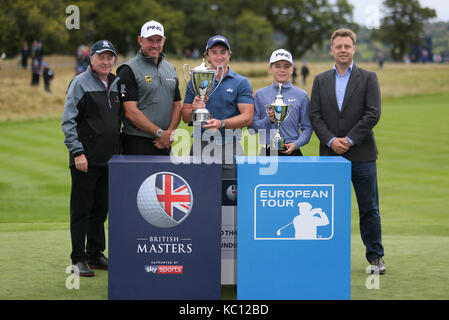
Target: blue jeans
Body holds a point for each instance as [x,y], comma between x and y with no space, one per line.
[364,180]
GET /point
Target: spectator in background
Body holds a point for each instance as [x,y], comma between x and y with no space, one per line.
[37,52]
[380,60]
[47,75]
[35,72]
[24,53]
[304,72]
[82,59]
[33,52]
[294,74]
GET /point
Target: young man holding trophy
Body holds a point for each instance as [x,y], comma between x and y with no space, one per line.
[228,100]
[276,122]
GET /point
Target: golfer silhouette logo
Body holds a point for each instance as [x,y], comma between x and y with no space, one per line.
[307,221]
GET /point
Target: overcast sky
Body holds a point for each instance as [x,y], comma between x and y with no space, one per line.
[365,11]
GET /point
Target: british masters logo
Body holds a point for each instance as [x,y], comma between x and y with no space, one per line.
[294,212]
[165,199]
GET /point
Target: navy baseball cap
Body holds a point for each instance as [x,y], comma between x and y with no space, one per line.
[217,39]
[101,46]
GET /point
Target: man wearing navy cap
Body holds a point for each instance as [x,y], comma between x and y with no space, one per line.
[231,105]
[91,124]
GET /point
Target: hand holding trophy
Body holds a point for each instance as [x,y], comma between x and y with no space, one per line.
[202,79]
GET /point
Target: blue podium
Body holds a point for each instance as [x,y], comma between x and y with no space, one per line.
[164,229]
[294,228]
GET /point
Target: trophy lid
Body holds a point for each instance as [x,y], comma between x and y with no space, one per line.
[279,101]
[202,111]
[201,67]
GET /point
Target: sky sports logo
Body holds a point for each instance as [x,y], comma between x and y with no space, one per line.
[165,269]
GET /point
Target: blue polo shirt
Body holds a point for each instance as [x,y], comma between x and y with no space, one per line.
[223,103]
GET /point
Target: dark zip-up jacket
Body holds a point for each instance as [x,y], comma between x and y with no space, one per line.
[91,118]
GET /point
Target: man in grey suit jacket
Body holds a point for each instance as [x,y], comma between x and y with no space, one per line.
[345,106]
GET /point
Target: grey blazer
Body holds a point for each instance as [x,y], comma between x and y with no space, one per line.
[360,112]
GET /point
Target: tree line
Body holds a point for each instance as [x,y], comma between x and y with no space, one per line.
[253,27]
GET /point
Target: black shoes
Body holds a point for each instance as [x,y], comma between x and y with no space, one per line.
[82,269]
[377,266]
[100,262]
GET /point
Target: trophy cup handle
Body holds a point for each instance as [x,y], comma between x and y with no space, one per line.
[222,74]
[268,108]
[184,71]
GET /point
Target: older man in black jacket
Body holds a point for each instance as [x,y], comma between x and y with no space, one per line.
[91,124]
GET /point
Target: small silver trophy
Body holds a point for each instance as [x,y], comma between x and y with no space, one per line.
[281,112]
[202,78]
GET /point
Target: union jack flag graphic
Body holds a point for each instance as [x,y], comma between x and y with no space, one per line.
[174,195]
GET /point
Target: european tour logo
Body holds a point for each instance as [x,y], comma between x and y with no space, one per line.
[293,211]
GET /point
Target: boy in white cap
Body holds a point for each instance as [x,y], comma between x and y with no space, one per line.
[150,95]
[281,68]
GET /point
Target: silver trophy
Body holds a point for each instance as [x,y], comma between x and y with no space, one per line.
[202,78]
[281,112]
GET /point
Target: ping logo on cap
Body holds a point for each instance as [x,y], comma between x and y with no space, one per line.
[283,54]
[158,28]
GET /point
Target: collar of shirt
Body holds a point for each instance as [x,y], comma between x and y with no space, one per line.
[151,59]
[285,85]
[230,73]
[347,72]
[94,74]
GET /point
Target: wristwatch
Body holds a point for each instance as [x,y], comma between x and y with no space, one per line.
[159,132]
[223,124]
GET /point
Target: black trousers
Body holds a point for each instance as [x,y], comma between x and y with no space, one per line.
[35,79]
[135,145]
[88,212]
[265,151]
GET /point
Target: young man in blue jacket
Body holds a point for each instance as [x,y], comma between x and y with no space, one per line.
[281,67]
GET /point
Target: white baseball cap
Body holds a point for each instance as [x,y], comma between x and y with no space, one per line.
[281,54]
[152,28]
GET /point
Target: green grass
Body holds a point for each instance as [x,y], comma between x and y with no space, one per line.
[413,171]
[34,176]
